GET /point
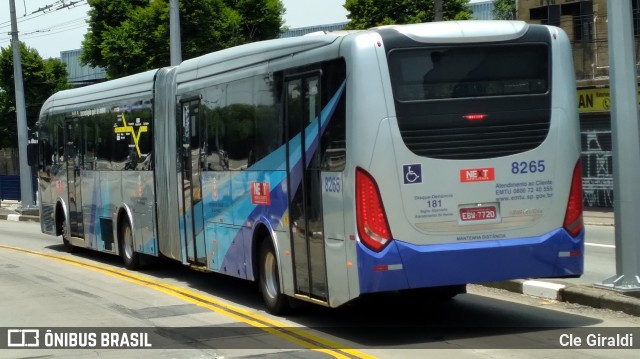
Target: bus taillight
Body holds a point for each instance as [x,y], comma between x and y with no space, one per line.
[573,217]
[475,116]
[373,227]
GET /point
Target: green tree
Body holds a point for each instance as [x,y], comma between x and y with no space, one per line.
[504,9]
[206,26]
[41,79]
[261,19]
[103,16]
[365,14]
[136,44]
[127,37]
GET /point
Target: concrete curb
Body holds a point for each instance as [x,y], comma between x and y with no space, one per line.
[19,218]
[605,224]
[586,295]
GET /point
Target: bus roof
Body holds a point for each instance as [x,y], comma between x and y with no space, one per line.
[462,31]
[259,52]
[138,85]
[248,54]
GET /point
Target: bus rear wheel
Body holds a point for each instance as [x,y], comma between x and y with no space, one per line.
[129,255]
[68,247]
[276,302]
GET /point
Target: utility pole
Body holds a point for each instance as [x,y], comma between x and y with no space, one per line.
[26,190]
[625,134]
[174,33]
[438,10]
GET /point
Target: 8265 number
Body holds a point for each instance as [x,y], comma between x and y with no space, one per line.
[332,184]
[528,167]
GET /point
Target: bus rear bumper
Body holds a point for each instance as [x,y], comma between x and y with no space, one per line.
[404,266]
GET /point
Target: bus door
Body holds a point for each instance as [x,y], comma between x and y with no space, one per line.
[73,158]
[303,180]
[191,216]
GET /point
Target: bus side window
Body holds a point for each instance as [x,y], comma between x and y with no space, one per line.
[268,129]
[89,129]
[333,142]
[213,129]
[58,144]
[44,159]
[238,119]
[45,155]
[104,141]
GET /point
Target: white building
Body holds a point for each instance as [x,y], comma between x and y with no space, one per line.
[482,9]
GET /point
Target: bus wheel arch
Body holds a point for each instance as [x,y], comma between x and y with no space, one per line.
[267,271]
[260,234]
[62,227]
[126,245]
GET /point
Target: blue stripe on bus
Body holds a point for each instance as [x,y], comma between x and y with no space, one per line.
[276,160]
[277,180]
[330,109]
[270,169]
[470,262]
[98,208]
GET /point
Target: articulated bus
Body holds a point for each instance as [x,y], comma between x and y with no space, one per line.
[331,166]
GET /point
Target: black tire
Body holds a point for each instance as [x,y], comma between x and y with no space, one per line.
[438,294]
[277,303]
[130,257]
[447,293]
[68,247]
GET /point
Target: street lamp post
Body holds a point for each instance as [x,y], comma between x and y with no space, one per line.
[26,191]
[174,33]
[626,146]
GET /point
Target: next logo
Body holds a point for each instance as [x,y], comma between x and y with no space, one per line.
[477,175]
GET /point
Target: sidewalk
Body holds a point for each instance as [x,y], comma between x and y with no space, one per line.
[12,211]
[584,294]
[599,217]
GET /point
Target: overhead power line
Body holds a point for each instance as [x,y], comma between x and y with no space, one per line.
[46,10]
[59,5]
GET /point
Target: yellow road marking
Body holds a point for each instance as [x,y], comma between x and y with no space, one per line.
[298,336]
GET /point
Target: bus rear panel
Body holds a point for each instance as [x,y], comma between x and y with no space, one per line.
[475,174]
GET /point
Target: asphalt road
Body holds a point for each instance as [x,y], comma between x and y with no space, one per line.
[44,287]
[600,260]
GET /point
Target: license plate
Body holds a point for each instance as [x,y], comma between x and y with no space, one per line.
[483,213]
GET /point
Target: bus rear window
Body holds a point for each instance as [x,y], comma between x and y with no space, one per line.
[470,71]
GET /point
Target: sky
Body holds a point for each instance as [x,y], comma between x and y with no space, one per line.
[51,32]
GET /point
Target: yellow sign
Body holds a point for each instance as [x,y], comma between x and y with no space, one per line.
[127,129]
[594,100]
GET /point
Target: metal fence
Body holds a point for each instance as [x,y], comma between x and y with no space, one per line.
[10,187]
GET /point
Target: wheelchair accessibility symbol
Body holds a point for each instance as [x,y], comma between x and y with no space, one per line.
[412,173]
